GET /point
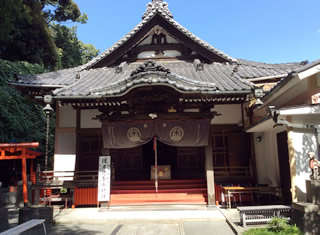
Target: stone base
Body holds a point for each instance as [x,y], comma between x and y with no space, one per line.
[26,214]
[313,191]
[307,217]
[19,194]
[3,219]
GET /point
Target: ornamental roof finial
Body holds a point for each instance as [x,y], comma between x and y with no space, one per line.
[158,5]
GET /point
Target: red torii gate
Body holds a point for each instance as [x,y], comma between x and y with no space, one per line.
[20,151]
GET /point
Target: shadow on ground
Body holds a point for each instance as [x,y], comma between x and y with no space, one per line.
[67,229]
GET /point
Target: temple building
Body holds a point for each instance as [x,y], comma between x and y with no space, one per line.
[167,107]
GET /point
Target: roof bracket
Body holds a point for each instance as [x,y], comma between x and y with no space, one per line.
[121,67]
[198,65]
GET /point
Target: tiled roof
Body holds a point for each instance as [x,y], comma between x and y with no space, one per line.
[55,79]
[183,76]
[157,4]
[304,66]
[223,77]
[250,69]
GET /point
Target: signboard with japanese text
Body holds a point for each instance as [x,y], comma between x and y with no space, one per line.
[104,178]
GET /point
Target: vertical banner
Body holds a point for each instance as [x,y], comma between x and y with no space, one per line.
[104,178]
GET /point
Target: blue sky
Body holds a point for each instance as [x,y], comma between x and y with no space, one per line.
[271,31]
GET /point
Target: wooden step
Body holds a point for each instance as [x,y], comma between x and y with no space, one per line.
[185,181]
[169,186]
[145,200]
[191,190]
[153,198]
[158,195]
[130,203]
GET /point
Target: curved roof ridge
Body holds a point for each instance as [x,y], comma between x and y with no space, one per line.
[157,5]
[158,70]
[145,20]
[291,65]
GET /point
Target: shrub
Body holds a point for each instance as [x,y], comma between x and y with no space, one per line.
[276,226]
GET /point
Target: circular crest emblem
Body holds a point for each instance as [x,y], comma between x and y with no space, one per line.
[176,133]
[134,134]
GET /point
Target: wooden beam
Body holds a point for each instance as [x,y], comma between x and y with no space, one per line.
[162,116]
[16,157]
[210,173]
[20,145]
[33,153]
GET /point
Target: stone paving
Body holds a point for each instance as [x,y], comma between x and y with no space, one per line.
[147,228]
[154,221]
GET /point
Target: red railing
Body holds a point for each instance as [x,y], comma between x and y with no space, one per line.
[85,196]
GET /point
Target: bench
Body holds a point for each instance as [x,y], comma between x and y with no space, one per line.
[263,214]
[25,226]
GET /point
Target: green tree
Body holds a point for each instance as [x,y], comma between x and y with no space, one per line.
[21,119]
[88,52]
[71,51]
[26,33]
[61,11]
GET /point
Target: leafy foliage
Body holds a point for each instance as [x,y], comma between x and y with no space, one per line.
[30,31]
[276,226]
[62,10]
[21,119]
[88,52]
[27,32]
[72,51]
[25,35]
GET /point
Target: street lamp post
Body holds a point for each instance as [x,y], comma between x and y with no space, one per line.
[48,110]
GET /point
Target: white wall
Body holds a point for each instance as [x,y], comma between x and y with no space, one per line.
[64,162]
[67,116]
[266,154]
[66,143]
[86,118]
[304,141]
[65,152]
[231,114]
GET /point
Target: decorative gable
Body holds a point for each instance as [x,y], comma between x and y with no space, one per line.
[159,44]
[158,36]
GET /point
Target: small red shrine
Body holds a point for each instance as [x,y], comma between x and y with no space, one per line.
[19,151]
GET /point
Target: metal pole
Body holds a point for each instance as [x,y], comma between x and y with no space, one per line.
[155,163]
[48,110]
[46,155]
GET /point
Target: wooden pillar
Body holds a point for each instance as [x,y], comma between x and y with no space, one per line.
[24,177]
[210,173]
[292,164]
[78,137]
[105,152]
